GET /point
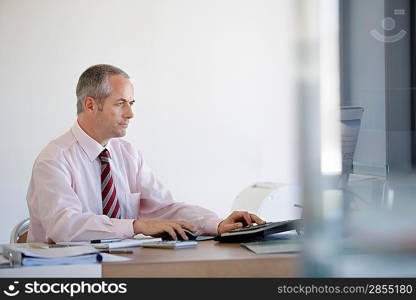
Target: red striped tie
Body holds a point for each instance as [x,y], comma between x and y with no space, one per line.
[111,207]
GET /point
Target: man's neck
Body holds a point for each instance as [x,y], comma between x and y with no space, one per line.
[90,131]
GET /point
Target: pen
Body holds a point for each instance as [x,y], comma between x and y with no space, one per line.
[117,251]
[105,241]
[59,246]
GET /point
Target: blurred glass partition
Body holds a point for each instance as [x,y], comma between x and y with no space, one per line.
[364,227]
[381,223]
[320,150]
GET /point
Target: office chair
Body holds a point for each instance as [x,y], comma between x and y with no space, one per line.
[271,201]
[250,198]
[19,232]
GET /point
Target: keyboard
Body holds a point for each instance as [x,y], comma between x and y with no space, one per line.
[258,232]
[251,228]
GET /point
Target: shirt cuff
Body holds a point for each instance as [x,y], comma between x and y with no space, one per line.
[123,227]
[211,226]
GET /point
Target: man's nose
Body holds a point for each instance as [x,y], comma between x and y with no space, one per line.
[128,114]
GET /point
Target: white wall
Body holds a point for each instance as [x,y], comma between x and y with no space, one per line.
[213,79]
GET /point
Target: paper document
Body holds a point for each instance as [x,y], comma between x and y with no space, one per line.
[113,258]
[52,256]
[125,243]
[80,259]
[58,252]
[274,246]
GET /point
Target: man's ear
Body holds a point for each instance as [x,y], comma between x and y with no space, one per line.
[89,104]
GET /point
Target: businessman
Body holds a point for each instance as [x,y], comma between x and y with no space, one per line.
[91,184]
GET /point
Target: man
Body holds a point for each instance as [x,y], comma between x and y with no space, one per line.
[90,184]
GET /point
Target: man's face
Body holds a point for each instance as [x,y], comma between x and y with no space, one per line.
[113,119]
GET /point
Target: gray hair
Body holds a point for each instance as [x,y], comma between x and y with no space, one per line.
[93,82]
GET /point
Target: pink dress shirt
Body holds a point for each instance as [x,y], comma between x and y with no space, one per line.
[64,195]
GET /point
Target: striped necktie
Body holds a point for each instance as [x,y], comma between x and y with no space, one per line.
[111,206]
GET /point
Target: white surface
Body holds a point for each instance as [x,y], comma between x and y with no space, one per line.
[281,246]
[213,83]
[113,258]
[63,271]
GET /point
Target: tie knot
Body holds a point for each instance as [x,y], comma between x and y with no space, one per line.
[104,155]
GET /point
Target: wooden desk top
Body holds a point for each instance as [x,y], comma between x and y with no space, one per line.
[207,259]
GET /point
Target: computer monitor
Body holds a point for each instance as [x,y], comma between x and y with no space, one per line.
[350,127]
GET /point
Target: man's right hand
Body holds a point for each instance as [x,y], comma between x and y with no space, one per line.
[157,228]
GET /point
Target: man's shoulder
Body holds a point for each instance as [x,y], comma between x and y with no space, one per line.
[56,148]
[124,146]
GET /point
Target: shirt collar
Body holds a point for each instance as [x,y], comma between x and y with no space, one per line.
[90,146]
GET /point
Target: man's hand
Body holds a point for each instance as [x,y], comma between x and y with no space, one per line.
[238,219]
[157,228]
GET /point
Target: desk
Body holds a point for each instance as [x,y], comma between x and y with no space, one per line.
[207,259]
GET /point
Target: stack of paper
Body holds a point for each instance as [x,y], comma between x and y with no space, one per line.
[51,256]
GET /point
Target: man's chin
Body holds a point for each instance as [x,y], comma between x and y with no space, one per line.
[120,133]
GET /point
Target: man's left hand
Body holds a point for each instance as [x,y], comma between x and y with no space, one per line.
[238,219]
